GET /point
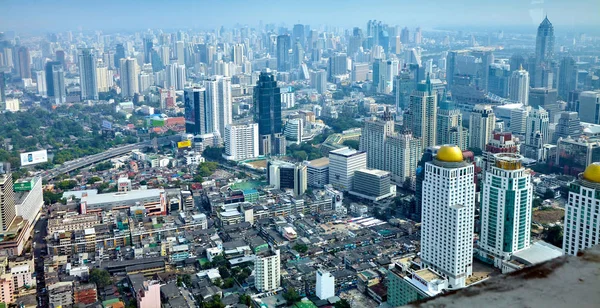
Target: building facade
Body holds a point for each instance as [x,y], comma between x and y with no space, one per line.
[241,141]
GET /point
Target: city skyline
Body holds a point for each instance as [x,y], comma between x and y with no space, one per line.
[91,15]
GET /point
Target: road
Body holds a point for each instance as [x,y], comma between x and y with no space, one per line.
[40,232]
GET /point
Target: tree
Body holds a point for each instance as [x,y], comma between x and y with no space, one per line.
[549,194]
[218,282]
[228,283]
[213,153]
[100,277]
[301,248]
[291,296]
[554,236]
[245,299]
[342,303]
[351,144]
[67,184]
[187,279]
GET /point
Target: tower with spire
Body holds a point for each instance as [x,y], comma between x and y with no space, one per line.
[544,43]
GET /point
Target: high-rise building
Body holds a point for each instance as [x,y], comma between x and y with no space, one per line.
[537,122]
[544,42]
[582,223]
[55,82]
[7,197]
[40,80]
[318,80]
[195,111]
[325,287]
[372,184]
[294,129]
[405,36]
[129,77]
[343,163]
[237,54]
[267,113]
[373,137]
[518,120]
[24,67]
[501,142]
[423,113]
[181,77]
[148,44]
[404,85]
[518,88]
[360,71]
[284,44]
[481,126]
[448,216]
[219,103]
[338,65]
[297,55]
[103,77]
[87,74]
[449,125]
[568,125]
[573,155]
[498,79]
[547,99]
[119,54]
[241,141]
[588,107]
[284,175]
[2,87]
[452,66]
[267,266]
[298,34]
[506,199]
[179,52]
[567,77]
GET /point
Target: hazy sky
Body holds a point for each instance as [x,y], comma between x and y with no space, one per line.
[58,15]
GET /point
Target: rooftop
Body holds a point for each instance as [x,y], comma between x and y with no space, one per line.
[428,275]
[345,151]
[319,162]
[124,196]
[375,172]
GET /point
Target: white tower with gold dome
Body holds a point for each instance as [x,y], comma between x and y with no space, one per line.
[582,215]
[448,216]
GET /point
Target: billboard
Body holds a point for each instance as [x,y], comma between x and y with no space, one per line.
[106,125]
[184,144]
[23,186]
[32,158]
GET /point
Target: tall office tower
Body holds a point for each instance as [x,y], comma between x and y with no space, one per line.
[498,79]
[360,71]
[108,57]
[518,88]
[145,82]
[506,199]
[171,75]
[484,58]
[391,71]
[179,52]
[501,142]
[300,180]
[537,133]
[325,286]
[284,44]
[267,113]
[568,126]
[567,77]
[449,125]
[355,41]
[403,151]
[267,266]
[87,74]
[581,218]
[404,85]
[544,42]
[423,113]
[7,197]
[518,120]
[547,99]
[218,103]
[148,44]
[588,106]
[405,36]
[297,55]
[298,34]
[379,75]
[343,163]
[2,87]
[104,77]
[55,83]
[241,141]
[129,80]
[452,66]
[24,67]
[418,36]
[481,126]
[165,55]
[237,54]
[318,80]
[40,80]
[338,65]
[119,54]
[181,77]
[373,139]
[195,111]
[448,216]
[516,62]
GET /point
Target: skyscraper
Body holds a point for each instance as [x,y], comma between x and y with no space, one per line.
[449,125]
[241,141]
[24,64]
[518,87]
[338,65]
[498,79]
[506,199]
[547,99]
[267,113]
[544,42]
[148,44]
[318,80]
[567,77]
[180,52]
[373,140]
[119,54]
[588,106]
[537,133]
[404,85]
[284,44]
[297,55]
[267,266]
[2,87]
[55,82]
[423,113]
[195,113]
[481,126]
[582,223]
[568,125]
[405,36]
[218,103]
[298,34]
[237,54]
[343,163]
[129,77]
[448,216]
[7,197]
[87,74]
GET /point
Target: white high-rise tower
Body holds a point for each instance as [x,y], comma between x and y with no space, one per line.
[507,195]
[518,86]
[448,216]
[129,77]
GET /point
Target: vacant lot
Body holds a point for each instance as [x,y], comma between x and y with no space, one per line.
[548,215]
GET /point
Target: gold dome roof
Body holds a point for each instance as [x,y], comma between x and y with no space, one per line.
[592,173]
[450,153]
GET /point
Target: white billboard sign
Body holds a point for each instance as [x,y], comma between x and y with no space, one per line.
[32,158]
